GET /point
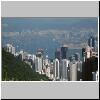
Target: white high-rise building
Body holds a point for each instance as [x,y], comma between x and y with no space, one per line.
[48,72]
[10,49]
[64,70]
[38,64]
[79,66]
[73,71]
[79,70]
[56,69]
[88,52]
[33,58]
[52,70]
[46,60]
[13,50]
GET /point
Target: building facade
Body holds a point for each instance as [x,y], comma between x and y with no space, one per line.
[56,69]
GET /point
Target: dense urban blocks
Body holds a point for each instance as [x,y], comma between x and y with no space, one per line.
[23,66]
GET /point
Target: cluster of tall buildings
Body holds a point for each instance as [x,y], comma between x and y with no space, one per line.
[90,61]
[62,67]
[68,69]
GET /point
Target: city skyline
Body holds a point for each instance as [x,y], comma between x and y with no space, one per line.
[74,66]
[62,49]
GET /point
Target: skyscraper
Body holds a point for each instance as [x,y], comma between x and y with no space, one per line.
[64,50]
[79,70]
[52,70]
[56,69]
[64,69]
[83,52]
[46,60]
[33,61]
[10,49]
[39,62]
[92,43]
[73,71]
[88,51]
[48,71]
[58,54]
[13,50]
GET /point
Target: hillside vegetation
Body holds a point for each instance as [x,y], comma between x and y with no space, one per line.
[14,69]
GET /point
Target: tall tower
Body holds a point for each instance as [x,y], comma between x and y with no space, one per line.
[88,52]
[48,71]
[64,50]
[56,69]
[92,43]
[79,70]
[64,69]
[39,62]
[83,54]
[73,71]
[58,54]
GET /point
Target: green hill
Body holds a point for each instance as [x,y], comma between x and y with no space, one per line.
[14,69]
